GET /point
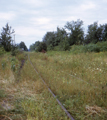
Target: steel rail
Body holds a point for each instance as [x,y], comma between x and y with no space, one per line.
[63,108]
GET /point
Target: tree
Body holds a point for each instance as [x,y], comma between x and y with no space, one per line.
[49,38]
[5,38]
[60,35]
[53,39]
[64,45]
[34,46]
[42,47]
[94,34]
[77,34]
[23,46]
[104,36]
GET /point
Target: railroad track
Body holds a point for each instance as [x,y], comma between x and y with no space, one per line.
[63,108]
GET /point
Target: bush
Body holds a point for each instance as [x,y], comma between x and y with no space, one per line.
[98,47]
[14,51]
[42,47]
[64,45]
[77,49]
[92,48]
[102,46]
[2,51]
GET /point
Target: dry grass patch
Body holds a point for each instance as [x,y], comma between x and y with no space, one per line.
[28,98]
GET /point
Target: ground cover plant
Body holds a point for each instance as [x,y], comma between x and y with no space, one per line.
[23,96]
[78,80]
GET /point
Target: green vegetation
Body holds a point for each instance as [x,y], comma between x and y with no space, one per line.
[78,80]
[2,51]
[41,47]
[73,34]
[27,98]
[98,47]
[74,68]
[6,38]
[22,46]
[7,43]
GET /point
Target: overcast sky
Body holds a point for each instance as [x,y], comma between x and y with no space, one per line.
[31,19]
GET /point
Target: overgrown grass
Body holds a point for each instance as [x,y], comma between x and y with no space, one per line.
[27,99]
[78,80]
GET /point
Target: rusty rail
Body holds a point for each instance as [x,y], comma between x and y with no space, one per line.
[63,108]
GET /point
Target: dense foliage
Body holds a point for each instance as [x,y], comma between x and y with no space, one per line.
[98,47]
[6,38]
[73,34]
[34,46]
[42,47]
[22,46]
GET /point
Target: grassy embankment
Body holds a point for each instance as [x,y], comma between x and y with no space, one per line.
[23,96]
[78,80]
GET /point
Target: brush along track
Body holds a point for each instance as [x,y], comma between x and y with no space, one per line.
[63,108]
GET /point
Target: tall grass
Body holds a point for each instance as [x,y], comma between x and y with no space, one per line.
[27,99]
[78,80]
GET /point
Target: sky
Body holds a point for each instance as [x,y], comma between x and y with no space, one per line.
[32,19]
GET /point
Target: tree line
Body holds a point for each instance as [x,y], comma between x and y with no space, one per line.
[71,34]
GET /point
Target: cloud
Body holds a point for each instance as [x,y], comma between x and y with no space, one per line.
[25,31]
[105,1]
[40,20]
[87,6]
[104,21]
[34,3]
[7,16]
[28,31]
[70,18]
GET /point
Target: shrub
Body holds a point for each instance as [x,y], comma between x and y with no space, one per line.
[77,49]
[98,47]
[64,45]
[14,51]
[92,48]
[102,46]
[2,51]
[42,46]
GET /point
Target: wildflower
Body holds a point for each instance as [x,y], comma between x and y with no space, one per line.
[97,68]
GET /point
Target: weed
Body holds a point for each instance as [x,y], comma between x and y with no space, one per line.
[2,94]
[3,64]
[79,76]
[78,80]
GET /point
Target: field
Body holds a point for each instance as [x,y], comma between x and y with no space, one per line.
[78,80]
